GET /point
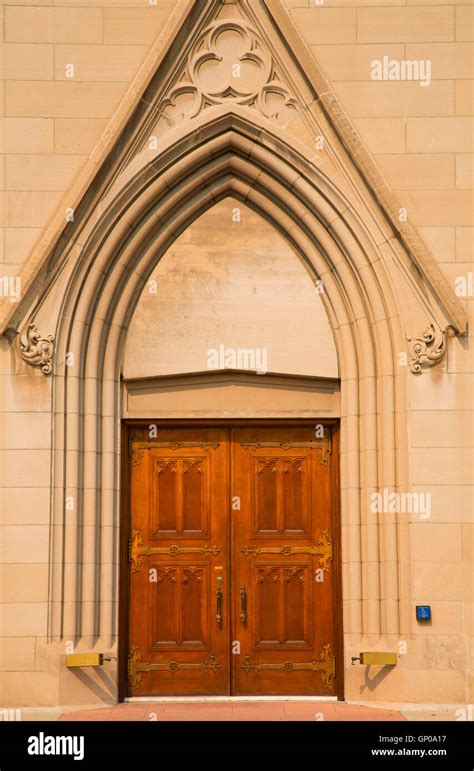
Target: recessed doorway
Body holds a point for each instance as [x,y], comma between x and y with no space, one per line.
[233,583]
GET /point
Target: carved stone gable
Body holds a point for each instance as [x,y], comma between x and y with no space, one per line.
[238,70]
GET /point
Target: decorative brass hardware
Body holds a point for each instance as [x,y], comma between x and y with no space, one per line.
[135,666]
[80,660]
[326,665]
[137,449]
[324,447]
[220,581]
[243,604]
[323,549]
[313,445]
[137,552]
[377,658]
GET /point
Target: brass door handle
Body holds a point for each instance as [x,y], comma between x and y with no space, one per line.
[220,581]
[243,604]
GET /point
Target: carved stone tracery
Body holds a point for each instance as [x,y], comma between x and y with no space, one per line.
[229,62]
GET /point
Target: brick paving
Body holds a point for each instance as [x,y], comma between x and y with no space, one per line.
[229,711]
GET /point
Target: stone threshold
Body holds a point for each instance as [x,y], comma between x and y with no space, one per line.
[227,699]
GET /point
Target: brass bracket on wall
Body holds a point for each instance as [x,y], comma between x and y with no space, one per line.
[323,549]
[323,447]
[80,660]
[137,552]
[377,658]
[136,665]
[326,665]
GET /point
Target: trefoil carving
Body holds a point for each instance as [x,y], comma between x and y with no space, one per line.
[229,62]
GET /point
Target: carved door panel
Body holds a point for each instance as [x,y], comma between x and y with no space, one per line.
[203,500]
[282,562]
[178,553]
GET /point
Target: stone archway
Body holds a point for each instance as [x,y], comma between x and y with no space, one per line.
[147,209]
[83,285]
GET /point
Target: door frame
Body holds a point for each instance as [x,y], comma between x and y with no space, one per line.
[125,527]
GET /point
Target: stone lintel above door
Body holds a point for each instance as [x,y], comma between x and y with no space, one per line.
[231,393]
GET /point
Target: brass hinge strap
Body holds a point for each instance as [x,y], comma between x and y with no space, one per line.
[326,665]
[313,445]
[138,448]
[136,666]
[323,549]
[324,447]
[137,552]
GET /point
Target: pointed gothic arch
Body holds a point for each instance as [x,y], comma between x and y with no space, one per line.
[380,287]
[145,211]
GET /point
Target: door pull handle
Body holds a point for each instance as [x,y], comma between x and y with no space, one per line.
[243,604]
[220,581]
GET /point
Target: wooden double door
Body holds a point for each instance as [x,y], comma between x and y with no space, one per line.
[231,560]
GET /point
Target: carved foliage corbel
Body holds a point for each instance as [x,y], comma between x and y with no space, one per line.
[428,349]
[37,351]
